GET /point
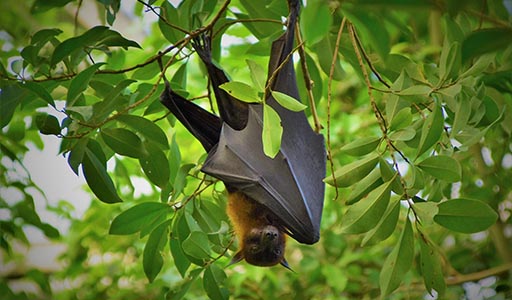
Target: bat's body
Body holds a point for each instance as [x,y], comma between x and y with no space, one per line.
[268,197]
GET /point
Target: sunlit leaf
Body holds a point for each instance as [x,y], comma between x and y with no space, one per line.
[288,102]
[272,131]
[241,91]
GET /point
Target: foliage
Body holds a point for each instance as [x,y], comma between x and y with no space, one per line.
[414,99]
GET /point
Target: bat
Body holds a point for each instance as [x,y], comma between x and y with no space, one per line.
[268,198]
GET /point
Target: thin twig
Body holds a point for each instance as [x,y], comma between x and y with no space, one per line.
[367,59]
[308,82]
[329,100]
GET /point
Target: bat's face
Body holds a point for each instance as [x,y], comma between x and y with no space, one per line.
[264,246]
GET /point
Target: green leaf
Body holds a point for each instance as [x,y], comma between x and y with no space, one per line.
[98,179]
[181,179]
[317,13]
[361,146]
[96,36]
[169,14]
[402,119]
[450,61]
[80,83]
[365,214]
[197,245]
[40,91]
[386,225]
[431,130]
[361,188]
[241,91]
[442,167]
[465,215]
[152,260]
[180,259]
[257,74]
[156,166]
[398,262]
[485,40]
[272,131]
[137,217]
[288,102]
[124,142]
[422,90]
[76,154]
[178,291]
[426,211]
[405,134]
[353,172]
[431,267]
[388,172]
[47,124]
[461,118]
[371,28]
[213,283]
[148,129]
[11,96]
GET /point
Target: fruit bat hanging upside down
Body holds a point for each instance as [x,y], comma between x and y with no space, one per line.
[268,198]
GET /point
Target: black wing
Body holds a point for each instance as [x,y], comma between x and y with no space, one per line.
[203,125]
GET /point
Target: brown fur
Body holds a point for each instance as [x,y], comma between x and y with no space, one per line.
[261,239]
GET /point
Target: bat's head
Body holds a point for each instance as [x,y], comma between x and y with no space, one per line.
[263,246]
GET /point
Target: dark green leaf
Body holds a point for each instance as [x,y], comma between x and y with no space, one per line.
[485,40]
[180,259]
[156,166]
[442,167]
[11,96]
[135,218]
[361,188]
[431,130]
[386,225]
[40,91]
[366,214]
[47,124]
[465,215]
[124,142]
[98,179]
[80,83]
[398,262]
[197,245]
[353,172]
[430,264]
[76,154]
[147,128]
[361,146]
[213,283]
[152,258]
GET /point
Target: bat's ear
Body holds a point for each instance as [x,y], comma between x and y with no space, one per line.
[239,256]
[285,264]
